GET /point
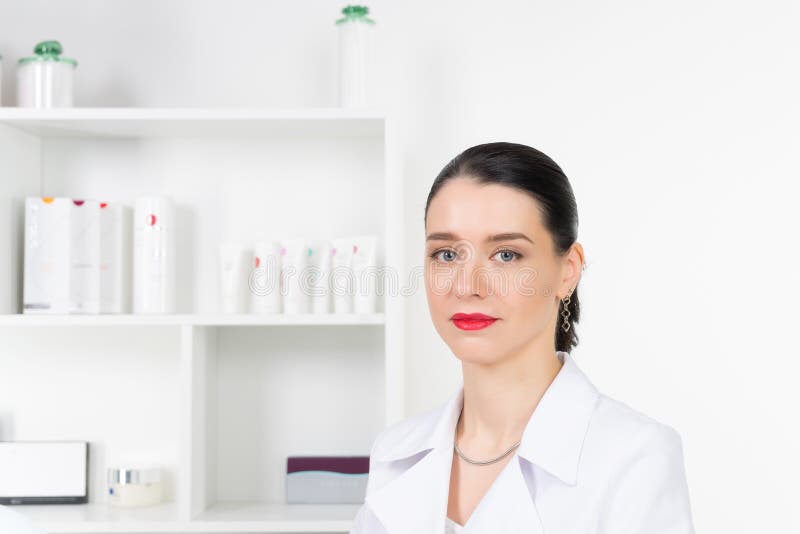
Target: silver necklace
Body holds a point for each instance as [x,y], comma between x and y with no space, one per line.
[482,462]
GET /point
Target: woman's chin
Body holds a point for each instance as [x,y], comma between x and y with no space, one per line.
[474,354]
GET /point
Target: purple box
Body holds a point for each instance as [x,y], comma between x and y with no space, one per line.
[326,479]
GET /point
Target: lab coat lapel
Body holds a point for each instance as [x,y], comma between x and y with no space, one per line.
[416,501]
[508,506]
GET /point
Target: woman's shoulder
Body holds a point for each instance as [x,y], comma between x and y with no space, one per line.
[616,419]
[620,436]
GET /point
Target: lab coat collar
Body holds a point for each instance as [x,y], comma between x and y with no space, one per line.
[552,439]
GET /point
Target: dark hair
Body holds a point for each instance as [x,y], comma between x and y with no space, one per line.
[532,172]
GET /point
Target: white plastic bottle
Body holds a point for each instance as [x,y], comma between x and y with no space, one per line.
[355,50]
[154,250]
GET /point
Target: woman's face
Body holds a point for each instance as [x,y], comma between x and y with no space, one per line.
[487,252]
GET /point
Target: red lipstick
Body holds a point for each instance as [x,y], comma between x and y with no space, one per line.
[472,321]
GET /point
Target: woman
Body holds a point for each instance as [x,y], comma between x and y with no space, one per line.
[527,443]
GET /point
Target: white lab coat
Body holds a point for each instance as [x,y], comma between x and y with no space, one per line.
[586,464]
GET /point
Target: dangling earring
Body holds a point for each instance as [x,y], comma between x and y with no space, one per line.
[565,313]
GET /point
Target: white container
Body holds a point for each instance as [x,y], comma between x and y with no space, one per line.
[233,280]
[84,259]
[1,79]
[131,487]
[342,283]
[154,251]
[355,51]
[264,278]
[365,274]
[319,263]
[294,276]
[46,80]
[114,257]
[47,251]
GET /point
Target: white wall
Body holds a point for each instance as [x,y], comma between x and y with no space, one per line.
[677,123]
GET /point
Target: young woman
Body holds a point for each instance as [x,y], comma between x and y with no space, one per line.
[527,443]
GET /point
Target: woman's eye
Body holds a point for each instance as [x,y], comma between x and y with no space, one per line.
[450,255]
[507,256]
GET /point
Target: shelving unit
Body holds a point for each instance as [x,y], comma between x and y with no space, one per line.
[219,319]
[218,400]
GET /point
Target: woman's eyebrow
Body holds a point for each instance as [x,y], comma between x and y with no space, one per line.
[508,236]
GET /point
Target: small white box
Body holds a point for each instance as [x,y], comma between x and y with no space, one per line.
[43,472]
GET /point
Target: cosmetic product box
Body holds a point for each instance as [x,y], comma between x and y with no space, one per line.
[134,486]
[326,479]
[44,472]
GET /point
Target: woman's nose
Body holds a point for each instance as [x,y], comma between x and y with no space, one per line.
[470,279]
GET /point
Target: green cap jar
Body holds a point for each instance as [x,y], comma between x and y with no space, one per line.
[48,51]
[355,14]
[46,79]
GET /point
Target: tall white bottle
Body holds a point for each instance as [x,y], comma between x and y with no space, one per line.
[355,56]
[154,250]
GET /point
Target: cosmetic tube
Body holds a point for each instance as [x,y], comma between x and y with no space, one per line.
[319,264]
[341,278]
[232,258]
[365,274]
[264,278]
[294,276]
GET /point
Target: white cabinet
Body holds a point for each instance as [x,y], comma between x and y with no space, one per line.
[219,400]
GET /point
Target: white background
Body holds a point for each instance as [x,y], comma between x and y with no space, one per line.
[677,123]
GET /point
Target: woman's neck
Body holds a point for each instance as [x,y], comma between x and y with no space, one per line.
[500,398]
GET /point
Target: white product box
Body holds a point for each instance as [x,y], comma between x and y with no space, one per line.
[44,472]
[154,250]
[47,252]
[114,257]
[85,256]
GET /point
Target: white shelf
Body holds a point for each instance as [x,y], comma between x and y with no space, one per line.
[99,518]
[264,517]
[195,122]
[332,319]
[239,517]
[218,415]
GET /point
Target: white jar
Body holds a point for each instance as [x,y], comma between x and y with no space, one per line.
[45,80]
[355,49]
[1,79]
[134,486]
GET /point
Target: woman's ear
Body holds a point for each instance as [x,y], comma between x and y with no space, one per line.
[572,268]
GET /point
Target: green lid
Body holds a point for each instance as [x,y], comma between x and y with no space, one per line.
[48,51]
[355,13]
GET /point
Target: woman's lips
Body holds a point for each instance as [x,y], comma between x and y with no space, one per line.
[472,321]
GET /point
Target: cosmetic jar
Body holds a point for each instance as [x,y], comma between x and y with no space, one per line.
[134,486]
[45,80]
